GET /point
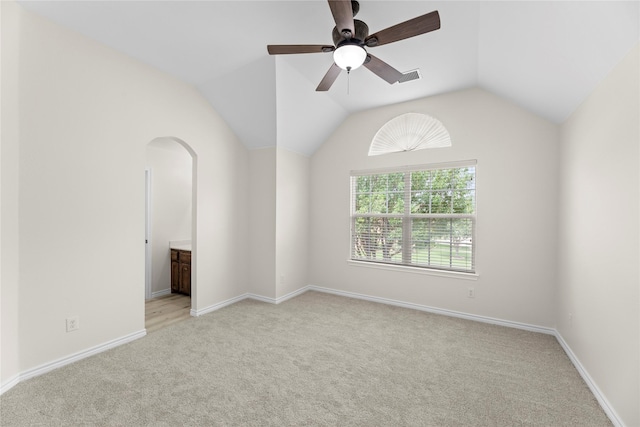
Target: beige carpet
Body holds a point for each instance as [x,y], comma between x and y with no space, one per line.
[317,359]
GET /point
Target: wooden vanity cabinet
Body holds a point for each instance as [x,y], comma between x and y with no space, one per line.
[180,272]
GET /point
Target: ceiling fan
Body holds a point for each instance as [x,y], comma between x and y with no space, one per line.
[351,36]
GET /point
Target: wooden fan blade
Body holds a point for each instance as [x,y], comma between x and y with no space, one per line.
[285,49]
[342,12]
[329,78]
[383,70]
[411,28]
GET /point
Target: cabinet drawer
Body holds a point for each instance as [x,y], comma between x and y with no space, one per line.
[185,257]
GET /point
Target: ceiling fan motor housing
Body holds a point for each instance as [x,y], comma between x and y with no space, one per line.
[362,31]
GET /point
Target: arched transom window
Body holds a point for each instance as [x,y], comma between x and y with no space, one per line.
[409,132]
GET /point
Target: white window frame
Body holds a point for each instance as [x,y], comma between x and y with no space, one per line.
[407,217]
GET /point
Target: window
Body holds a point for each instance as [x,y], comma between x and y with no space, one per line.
[420,217]
[409,132]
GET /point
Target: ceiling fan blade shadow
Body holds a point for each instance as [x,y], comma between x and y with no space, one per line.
[411,28]
[383,70]
[342,12]
[329,78]
[285,49]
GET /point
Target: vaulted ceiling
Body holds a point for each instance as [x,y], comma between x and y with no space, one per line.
[544,56]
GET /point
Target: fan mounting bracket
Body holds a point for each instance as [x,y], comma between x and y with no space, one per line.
[371,41]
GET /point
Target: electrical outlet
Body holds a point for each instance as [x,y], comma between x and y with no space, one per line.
[73,323]
[471,293]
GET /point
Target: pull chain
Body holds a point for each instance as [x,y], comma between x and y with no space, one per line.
[348,80]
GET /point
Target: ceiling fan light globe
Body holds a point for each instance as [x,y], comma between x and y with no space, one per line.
[349,56]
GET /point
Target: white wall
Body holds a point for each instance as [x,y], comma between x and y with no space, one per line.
[9,248]
[170,168]
[279,222]
[262,222]
[516,218]
[292,222]
[86,114]
[598,240]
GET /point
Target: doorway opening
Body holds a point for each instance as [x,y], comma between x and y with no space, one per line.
[170,232]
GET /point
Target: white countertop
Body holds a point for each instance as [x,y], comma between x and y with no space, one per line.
[181,245]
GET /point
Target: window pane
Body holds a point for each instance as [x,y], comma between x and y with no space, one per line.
[379,196]
[363,184]
[462,256]
[463,201]
[379,183]
[470,177]
[441,179]
[363,239]
[363,203]
[440,202]
[441,238]
[420,241]
[378,239]
[461,241]
[391,239]
[396,182]
[442,242]
[396,193]
[420,180]
[419,202]
[379,203]
[396,203]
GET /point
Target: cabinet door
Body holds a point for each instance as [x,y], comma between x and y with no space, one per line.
[175,276]
[185,278]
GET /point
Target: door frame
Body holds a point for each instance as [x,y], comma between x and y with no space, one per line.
[147,234]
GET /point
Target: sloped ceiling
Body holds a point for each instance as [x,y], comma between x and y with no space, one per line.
[544,56]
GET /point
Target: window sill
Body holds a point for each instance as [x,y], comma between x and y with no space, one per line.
[416,270]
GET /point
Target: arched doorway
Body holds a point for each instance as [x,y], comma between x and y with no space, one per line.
[171,230]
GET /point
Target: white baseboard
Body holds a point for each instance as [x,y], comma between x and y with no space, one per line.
[8,385]
[602,400]
[50,366]
[160,293]
[279,299]
[261,298]
[218,306]
[451,313]
[292,294]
